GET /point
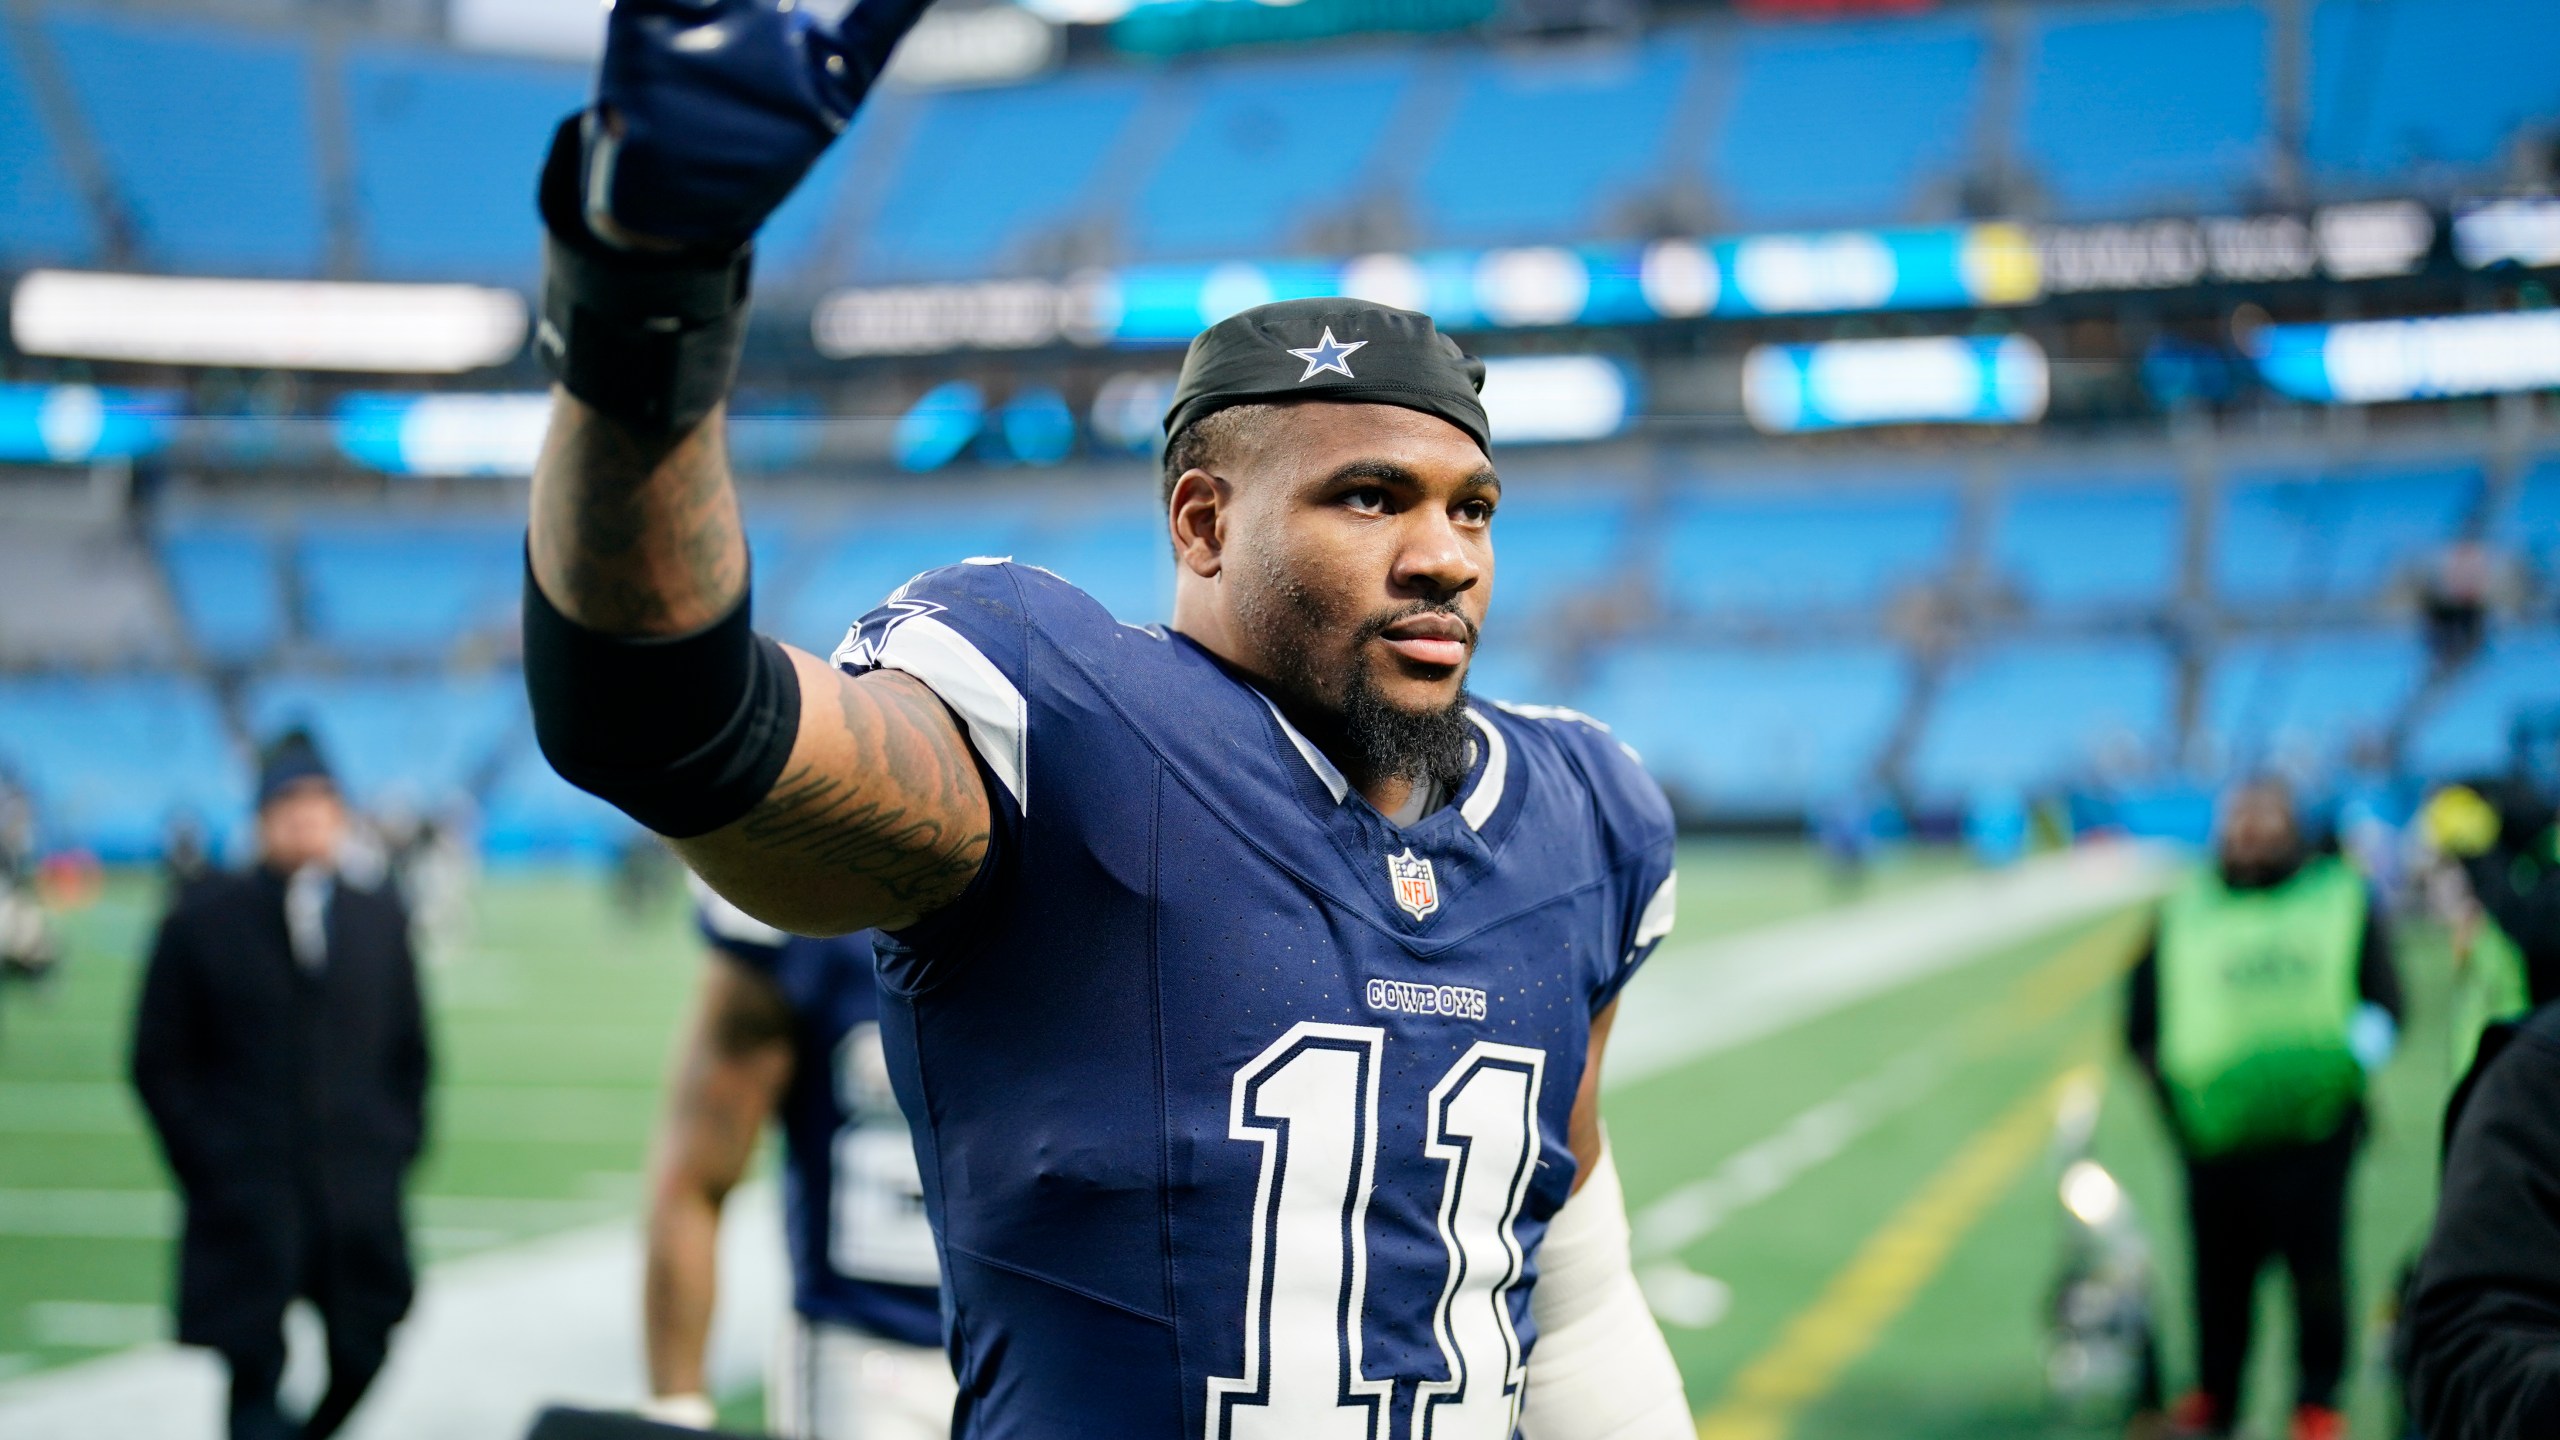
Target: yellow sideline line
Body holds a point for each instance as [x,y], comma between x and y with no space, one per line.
[2053,989]
[1886,1274]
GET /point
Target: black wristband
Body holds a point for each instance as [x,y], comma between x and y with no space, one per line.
[683,733]
[649,340]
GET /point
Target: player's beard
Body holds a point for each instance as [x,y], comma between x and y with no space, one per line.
[1368,736]
[1427,747]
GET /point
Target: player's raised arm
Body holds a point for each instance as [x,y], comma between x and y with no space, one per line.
[817,802]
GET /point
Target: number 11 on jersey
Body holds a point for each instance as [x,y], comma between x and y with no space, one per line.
[1311,1102]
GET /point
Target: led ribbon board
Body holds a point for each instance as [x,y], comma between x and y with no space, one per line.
[2367,362]
[1955,380]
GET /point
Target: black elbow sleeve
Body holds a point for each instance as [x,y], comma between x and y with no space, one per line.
[683,733]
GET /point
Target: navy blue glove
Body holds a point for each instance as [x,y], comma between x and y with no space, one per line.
[708,112]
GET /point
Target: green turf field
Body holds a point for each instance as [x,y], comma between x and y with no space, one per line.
[551,1029]
[1887,1292]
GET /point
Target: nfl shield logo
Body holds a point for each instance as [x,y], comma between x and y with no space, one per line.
[1417,890]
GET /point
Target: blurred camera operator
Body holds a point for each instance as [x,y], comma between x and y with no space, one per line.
[2266,997]
[281,1052]
[27,949]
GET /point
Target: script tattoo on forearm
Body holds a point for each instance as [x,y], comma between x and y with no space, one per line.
[635,534]
[899,845]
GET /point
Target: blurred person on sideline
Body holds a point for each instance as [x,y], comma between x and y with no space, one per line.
[2482,1324]
[186,856]
[2266,996]
[2500,838]
[280,1048]
[788,1029]
[28,950]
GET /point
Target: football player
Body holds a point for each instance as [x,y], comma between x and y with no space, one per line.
[788,1029]
[1246,984]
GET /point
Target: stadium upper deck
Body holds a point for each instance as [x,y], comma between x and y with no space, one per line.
[2091,621]
[1778,632]
[198,148]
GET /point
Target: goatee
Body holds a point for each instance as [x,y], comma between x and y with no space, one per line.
[1365,735]
[1375,740]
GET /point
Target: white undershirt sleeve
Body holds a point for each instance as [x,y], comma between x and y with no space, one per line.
[1601,1370]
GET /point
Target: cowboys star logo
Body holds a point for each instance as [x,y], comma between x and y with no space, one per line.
[865,643]
[1328,355]
[1417,889]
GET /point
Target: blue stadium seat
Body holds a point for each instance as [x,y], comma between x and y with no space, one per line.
[1517,674]
[1273,147]
[2017,716]
[531,814]
[986,173]
[225,581]
[1770,551]
[1847,124]
[207,130]
[1118,553]
[1542,148]
[413,588]
[2408,88]
[1753,730]
[42,218]
[2083,547]
[2135,111]
[883,552]
[2306,536]
[793,247]
[417,740]
[2308,704]
[2531,525]
[1548,546]
[445,148]
[2467,732]
[111,761]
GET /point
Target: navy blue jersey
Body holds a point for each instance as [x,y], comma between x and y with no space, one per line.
[852,1208]
[1241,1110]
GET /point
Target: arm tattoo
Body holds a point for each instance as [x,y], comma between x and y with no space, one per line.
[639,534]
[895,843]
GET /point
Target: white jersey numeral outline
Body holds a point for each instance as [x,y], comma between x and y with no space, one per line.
[1484,1125]
[1310,1101]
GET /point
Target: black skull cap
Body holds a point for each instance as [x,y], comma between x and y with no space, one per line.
[1330,348]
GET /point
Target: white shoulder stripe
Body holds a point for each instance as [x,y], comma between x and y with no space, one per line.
[1550,712]
[1497,773]
[998,719]
[1659,912]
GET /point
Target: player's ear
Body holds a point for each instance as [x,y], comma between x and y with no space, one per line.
[1199,520]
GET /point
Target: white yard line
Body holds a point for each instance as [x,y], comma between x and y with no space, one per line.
[493,1338]
[1694,1000]
[499,1334]
[1687,1213]
[1720,993]
[153,1214]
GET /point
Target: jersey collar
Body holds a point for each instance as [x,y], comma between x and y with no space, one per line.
[1489,767]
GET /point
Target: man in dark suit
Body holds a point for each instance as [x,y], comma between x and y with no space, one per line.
[281,1050]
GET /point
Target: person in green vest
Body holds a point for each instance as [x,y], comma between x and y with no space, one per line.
[2266,995]
[2507,956]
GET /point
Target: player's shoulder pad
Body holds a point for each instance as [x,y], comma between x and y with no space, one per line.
[1629,801]
[969,631]
[992,601]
